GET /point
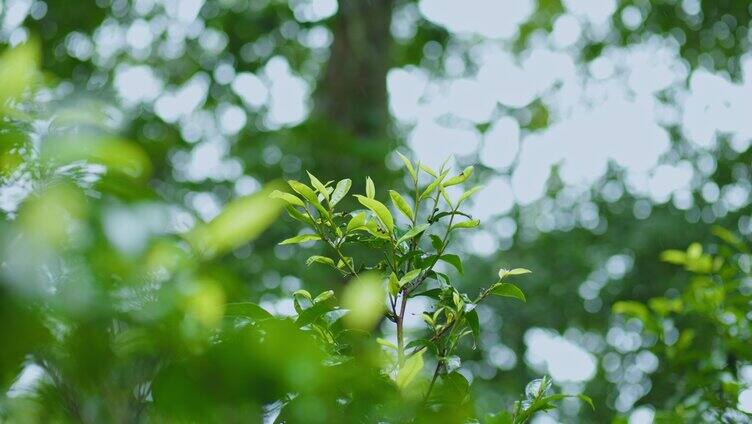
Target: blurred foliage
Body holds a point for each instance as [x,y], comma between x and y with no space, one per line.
[59,234]
[701,334]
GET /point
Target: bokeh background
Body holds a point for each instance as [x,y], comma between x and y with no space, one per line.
[605,131]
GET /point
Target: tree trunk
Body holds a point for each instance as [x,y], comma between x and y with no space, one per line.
[352,92]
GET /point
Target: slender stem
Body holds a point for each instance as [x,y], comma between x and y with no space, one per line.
[400,331]
[433,380]
[334,247]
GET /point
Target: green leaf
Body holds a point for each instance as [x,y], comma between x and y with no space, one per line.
[428,170]
[432,187]
[364,298]
[18,69]
[413,232]
[408,277]
[356,222]
[320,187]
[370,188]
[310,315]
[302,238]
[466,195]
[466,224]
[508,290]
[672,256]
[631,308]
[516,271]
[459,179]
[323,296]
[729,238]
[453,260]
[454,388]
[304,191]
[287,197]
[412,367]
[437,243]
[316,259]
[299,216]
[393,284]
[386,343]
[381,211]
[401,204]
[432,293]
[247,310]
[409,166]
[343,187]
[241,221]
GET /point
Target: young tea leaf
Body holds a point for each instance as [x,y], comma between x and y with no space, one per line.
[459,179]
[409,166]
[381,211]
[370,188]
[287,197]
[339,193]
[401,204]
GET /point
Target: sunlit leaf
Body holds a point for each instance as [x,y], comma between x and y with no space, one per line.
[459,179]
[370,188]
[473,223]
[409,166]
[339,193]
[466,195]
[319,186]
[381,211]
[401,204]
[287,197]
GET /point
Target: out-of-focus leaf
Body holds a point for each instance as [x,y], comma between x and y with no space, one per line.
[241,221]
[364,298]
[18,69]
[412,367]
[247,310]
[629,308]
[116,154]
